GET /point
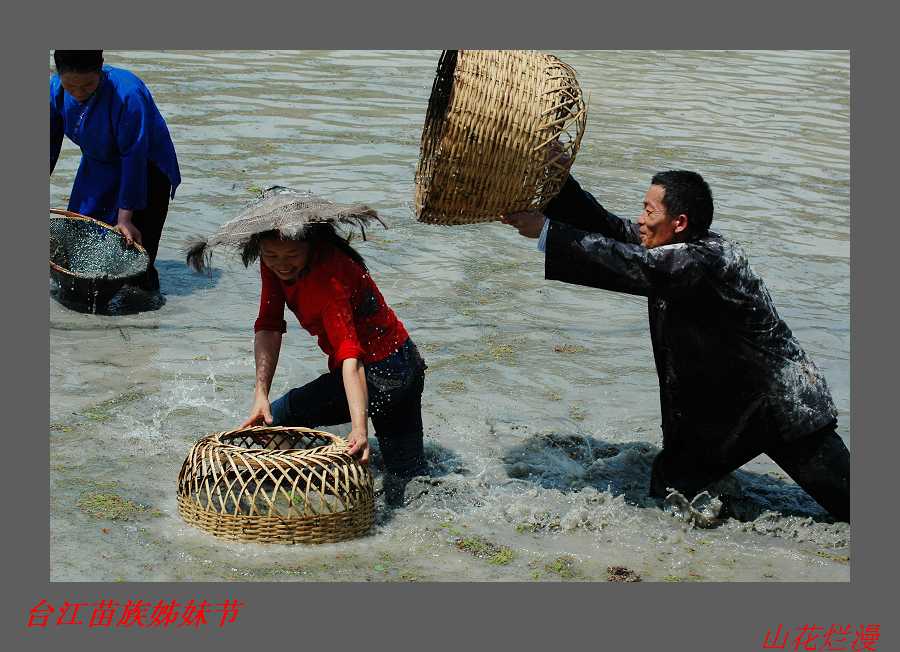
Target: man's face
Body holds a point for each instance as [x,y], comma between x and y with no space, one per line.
[656,227]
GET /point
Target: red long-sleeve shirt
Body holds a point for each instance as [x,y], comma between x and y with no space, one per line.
[336,300]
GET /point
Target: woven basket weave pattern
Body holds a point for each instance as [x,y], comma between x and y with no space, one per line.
[501,132]
[82,247]
[276,485]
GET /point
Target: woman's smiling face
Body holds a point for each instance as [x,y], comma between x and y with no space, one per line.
[287,258]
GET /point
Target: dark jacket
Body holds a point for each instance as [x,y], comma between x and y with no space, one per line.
[728,365]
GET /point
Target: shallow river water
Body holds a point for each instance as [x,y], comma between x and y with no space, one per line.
[541,408]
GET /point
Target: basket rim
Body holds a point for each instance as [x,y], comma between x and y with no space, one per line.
[63,214]
[337,444]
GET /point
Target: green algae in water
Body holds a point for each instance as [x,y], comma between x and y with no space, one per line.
[568,348]
[843,559]
[544,521]
[467,357]
[690,577]
[70,481]
[96,415]
[102,411]
[501,351]
[453,387]
[563,566]
[110,506]
[621,574]
[448,525]
[484,549]
[577,413]
[503,557]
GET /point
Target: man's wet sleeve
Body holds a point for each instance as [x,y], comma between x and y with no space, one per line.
[583,258]
[577,208]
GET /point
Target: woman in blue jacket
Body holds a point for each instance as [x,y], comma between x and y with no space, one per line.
[128,169]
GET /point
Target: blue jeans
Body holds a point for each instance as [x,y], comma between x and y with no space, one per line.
[395,387]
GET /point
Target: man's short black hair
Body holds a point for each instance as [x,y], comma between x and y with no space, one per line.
[78,60]
[687,192]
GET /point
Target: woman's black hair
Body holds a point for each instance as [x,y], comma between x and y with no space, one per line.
[316,234]
[78,60]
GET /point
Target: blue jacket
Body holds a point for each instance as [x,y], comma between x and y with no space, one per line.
[120,131]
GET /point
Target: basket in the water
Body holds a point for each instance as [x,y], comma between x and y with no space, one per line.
[276,484]
[501,131]
[89,259]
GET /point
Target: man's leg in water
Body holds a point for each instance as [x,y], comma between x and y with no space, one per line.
[820,464]
[689,469]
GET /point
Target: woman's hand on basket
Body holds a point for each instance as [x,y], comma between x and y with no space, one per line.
[359,445]
[127,228]
[260,413]
[528,223]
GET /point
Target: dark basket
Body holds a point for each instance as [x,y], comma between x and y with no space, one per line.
[90,261]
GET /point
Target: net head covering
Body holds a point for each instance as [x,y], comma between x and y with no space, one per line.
[285,211]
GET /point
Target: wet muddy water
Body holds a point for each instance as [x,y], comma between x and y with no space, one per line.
[541,407]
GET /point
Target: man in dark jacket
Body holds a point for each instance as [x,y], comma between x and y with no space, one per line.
[734,381]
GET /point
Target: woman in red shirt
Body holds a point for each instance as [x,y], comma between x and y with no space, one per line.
[375,369]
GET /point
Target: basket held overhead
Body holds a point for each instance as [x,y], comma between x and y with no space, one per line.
[501,131]
[275,484]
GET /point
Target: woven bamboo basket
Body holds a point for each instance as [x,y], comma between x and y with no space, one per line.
[276,485]
[501,131]
[89,259]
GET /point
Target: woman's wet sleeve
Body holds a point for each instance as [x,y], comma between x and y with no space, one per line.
[583,258]
[133,139]
[271,303]
[337,318]
[576,207]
